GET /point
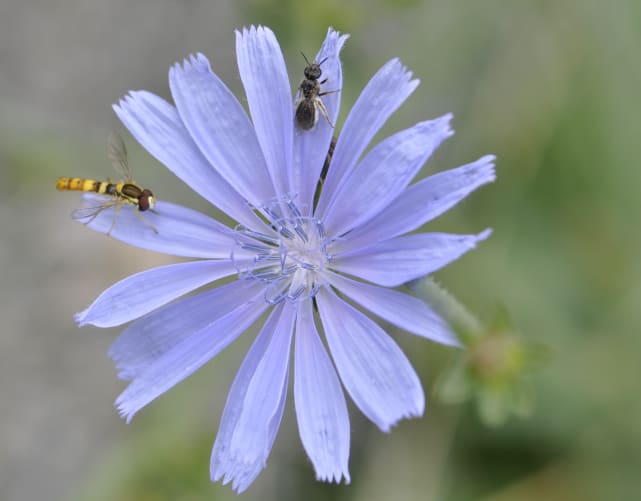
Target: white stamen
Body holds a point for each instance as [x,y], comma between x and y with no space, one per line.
[292,261]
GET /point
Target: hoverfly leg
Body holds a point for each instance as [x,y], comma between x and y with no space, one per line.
[113,219]
[142,218]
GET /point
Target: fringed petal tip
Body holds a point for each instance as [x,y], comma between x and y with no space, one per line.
[239,473]
[252,31]
[127,101]
[335,477]
[124,411]
[123,101]
[79,318]
[446,122]
[395,65]
[335,36]
[486,165]
[410,414]
[197,60]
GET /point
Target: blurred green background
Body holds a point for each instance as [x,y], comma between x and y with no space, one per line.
[551,87]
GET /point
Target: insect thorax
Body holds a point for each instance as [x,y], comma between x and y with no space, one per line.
[309,88]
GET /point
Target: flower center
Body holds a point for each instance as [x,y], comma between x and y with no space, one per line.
[290,260]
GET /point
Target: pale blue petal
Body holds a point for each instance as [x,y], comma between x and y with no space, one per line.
[262,69]
[383,174]
[243,475]
[323,421]
[399,260]
[186,357]
[254,405]
[402,310]
[220,127]
[310,147]
[157,126]
[372,367]
[169,229]
[420,203]
[143,292]
[384,93]
[146,340]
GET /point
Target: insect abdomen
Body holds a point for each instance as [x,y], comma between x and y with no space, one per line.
[79,184]
[306,115]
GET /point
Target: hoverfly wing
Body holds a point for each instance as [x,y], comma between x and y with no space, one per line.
[117,155]
[89,212]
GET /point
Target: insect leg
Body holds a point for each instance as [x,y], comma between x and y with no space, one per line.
[142,218]
[320,94]
[323,110]
[113,219]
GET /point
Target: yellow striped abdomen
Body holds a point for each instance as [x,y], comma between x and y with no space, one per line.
[89,185]
[79,184]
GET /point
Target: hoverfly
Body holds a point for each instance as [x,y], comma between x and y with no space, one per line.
[122,193]
[309,102]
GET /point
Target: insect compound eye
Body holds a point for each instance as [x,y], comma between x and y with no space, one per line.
[145,201]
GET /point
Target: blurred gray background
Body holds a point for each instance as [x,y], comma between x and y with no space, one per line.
[552,88]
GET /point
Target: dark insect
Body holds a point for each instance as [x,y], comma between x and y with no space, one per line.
[309,102]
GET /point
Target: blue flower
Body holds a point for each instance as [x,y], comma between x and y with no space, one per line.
[290,255]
